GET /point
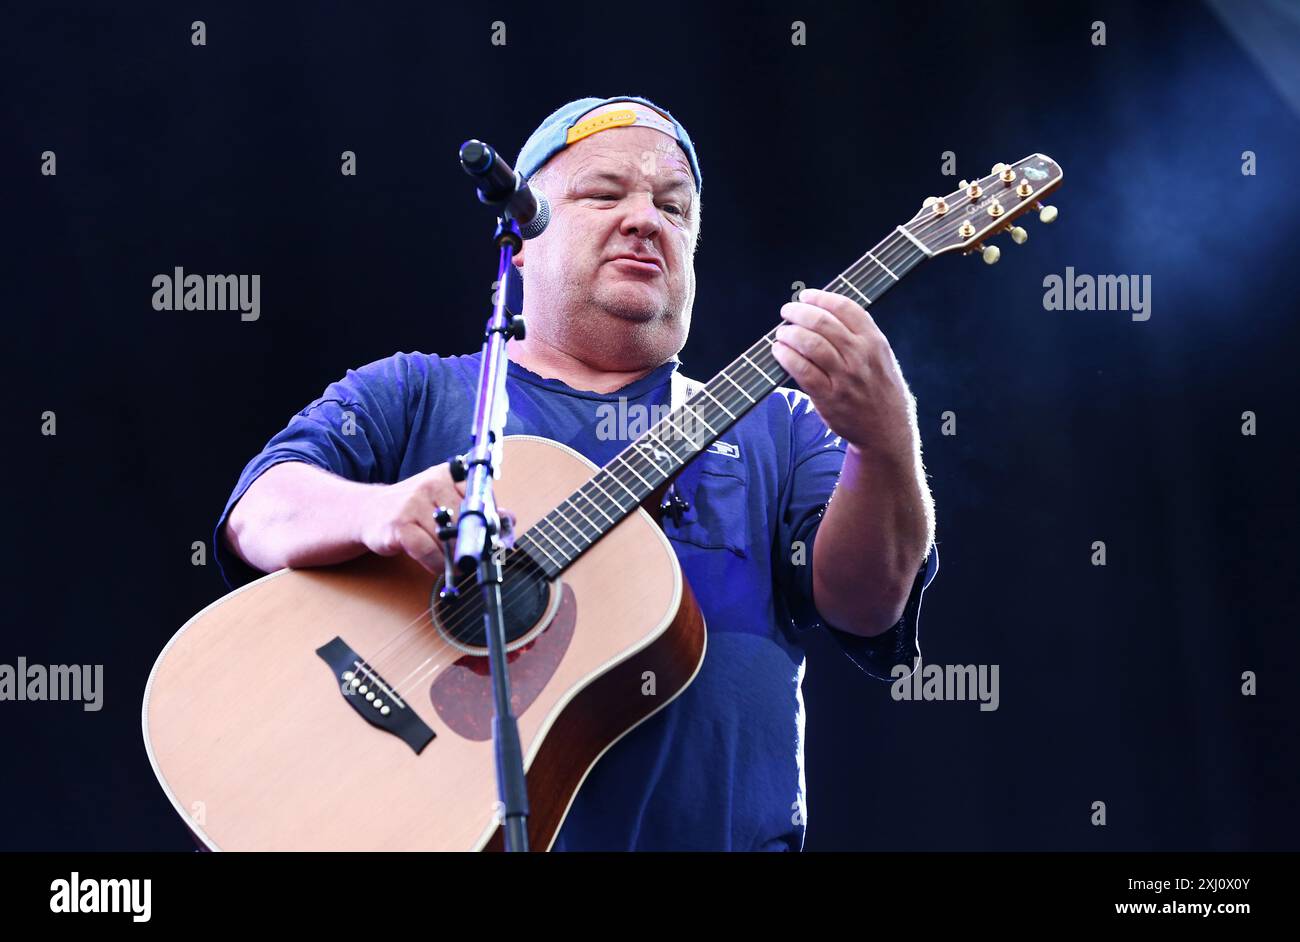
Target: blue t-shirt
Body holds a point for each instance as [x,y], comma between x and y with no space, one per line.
[721,766]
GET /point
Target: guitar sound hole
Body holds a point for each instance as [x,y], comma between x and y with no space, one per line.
[525,595]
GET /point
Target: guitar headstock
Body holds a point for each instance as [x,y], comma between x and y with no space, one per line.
[966,218]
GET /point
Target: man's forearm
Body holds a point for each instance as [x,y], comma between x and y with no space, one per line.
[872,541]
[297,515]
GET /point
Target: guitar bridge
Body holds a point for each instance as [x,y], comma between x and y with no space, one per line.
[372,697]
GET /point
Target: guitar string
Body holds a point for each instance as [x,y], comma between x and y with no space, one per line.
[900,248]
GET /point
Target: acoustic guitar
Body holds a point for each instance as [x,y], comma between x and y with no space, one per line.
[349,707]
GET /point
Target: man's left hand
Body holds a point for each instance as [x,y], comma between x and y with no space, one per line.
[833,349]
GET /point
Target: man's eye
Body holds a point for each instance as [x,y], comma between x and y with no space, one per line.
[674,208]
[605,196]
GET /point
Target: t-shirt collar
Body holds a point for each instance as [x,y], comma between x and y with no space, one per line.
[652,380]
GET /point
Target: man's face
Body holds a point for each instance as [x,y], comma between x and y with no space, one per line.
[617,196]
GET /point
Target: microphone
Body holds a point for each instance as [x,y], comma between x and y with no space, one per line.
[501,186]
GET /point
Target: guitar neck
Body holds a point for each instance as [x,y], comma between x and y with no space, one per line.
[564,534]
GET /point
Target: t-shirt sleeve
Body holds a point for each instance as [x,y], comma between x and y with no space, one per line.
[816,457]
[356,429]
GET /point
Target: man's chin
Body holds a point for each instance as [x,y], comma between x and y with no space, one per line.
[638,306]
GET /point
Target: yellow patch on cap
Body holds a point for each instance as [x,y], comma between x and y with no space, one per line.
[610,119]
[620,118]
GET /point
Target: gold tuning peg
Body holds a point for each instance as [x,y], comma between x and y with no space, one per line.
[1018,235]
[991,254]
[963,184]
[999,167]
[1046,214]
[929,201]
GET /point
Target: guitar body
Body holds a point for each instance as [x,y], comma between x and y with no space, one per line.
[260,746]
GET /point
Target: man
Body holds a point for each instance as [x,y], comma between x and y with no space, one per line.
[609,290]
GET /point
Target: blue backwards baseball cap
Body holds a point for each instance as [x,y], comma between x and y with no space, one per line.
[563,128]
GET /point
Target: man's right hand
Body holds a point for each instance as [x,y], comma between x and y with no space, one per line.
[297,515]
[399,518]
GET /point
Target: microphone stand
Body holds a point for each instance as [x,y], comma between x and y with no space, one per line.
[481,537]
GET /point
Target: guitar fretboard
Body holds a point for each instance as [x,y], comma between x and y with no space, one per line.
[564,534]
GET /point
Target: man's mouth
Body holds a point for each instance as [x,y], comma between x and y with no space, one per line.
[645,263]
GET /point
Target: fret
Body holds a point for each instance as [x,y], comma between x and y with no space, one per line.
[537,528]
[595,482]
[917,242]
[574,504]
[742,389]
[625,464]
[679,431]
[705,391]
[737,410]
[582,492]
[560,530]
[645,461]
[865,300]
[903,258]
[882,265]
[648,458]
[610,474]
[691,429]
[668,434]
[746,358]
[526,544]
[871,287]
[756,385]
[650,435]
[700,417]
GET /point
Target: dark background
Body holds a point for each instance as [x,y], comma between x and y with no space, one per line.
[1118,683]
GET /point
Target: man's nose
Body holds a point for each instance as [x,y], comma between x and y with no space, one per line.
[641,218]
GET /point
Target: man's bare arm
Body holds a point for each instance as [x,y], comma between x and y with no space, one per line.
[298,515]
[880,521]
[872,540]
